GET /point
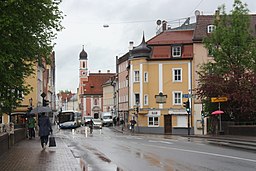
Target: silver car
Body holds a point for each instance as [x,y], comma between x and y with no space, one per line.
[97,123]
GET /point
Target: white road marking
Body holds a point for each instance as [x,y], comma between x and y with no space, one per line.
[205,153]
[165,142]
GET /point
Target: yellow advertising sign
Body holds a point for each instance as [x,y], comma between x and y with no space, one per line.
[219,99]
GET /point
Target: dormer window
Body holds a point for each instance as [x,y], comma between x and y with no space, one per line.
[176,51]
[210,28]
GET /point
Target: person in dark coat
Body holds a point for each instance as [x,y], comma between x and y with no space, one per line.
[45,129]
[132,122]
[91,125]
[31,126]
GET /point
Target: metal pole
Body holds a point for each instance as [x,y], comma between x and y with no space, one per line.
[220,118]
[188,123]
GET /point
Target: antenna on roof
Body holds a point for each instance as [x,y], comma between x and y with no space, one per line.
[158,22]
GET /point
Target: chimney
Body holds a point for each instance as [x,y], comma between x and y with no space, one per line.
[130,45]
[164,25]
[217,15]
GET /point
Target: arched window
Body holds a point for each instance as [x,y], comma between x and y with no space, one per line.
[83,64]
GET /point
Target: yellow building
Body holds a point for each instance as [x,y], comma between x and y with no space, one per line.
[162,67]
[43,80]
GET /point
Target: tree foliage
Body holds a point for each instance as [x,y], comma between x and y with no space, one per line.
[233,71]
[27,29]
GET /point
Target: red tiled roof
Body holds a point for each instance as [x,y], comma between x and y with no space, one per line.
[95,82]
[172,37]
[65,96]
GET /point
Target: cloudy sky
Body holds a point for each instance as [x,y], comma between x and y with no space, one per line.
[127,20]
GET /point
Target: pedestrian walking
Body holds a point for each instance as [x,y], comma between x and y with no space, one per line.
[132,122]
[114,121]
[91,126]
[122,124]
[31,126]
[45,129]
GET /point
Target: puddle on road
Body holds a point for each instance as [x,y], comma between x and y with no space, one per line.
[95,160]
[164,164]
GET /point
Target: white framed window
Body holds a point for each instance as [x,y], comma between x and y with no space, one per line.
[177,98]
[145,77]
[153,121]
[210,28]
[176,51]
[136,76]
[177,74]
[145,99]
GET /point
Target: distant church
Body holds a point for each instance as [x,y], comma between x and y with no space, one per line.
[90,88]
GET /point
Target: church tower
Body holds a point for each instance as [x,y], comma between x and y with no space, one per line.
[83,70]
[83,78]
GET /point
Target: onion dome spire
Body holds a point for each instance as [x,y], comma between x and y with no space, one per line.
[142,50]
[83,54]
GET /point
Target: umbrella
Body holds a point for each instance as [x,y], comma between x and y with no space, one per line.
[217,112]
[41,109]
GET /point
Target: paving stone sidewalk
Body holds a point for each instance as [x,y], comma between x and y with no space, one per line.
[28,155]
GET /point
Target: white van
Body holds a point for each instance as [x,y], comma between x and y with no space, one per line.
[107,118]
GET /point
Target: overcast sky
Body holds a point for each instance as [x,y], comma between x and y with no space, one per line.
[127,19]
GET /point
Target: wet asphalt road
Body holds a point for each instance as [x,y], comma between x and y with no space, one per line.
[109,150]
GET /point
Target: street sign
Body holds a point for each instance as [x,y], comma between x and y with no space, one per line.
[186,95]
[219,99]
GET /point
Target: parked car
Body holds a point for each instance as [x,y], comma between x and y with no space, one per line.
[97,123]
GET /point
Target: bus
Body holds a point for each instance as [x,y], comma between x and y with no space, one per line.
[69,119]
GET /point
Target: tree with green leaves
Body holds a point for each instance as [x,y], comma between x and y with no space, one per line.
[233,71]
[27,29]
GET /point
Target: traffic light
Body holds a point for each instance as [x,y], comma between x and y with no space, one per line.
[45,102]
[202,114]
[186,105]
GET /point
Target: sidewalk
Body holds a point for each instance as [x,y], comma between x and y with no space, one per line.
[28,155]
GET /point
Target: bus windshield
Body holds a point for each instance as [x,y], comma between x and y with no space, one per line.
[68,116]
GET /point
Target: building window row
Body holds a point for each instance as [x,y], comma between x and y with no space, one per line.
[176,72]
[177,98]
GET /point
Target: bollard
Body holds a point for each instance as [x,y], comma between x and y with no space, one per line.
[85,131]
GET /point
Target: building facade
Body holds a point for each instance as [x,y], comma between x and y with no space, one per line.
[160,73]
[123,87]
